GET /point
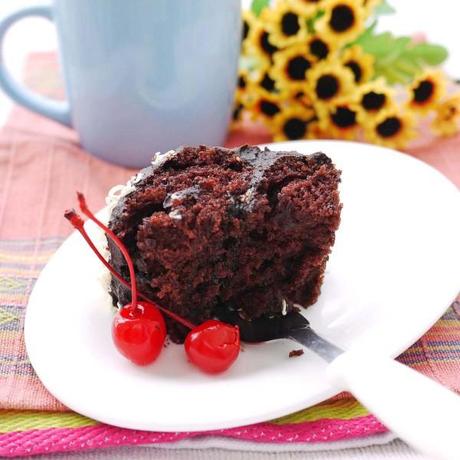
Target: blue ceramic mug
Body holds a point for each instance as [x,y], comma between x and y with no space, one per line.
[141,75]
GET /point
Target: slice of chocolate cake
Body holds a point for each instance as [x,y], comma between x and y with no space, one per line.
[244,229]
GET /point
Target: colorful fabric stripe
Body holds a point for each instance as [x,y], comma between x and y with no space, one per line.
[17,421]
[20,264]
[340,410]
[38,433]
[36,442]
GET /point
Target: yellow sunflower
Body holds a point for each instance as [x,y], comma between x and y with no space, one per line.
[360,63]
[265,107]
[446,121]
[392,128]
[307,7]
[291,67]
[242,84]
[293,123]
[263,84]
[342,22]
[237,114]
[329,81]
[259,41]
[375,96]
[302,98]
[426,91]
[249,21]
[319,47]
[285,24]
[339,120]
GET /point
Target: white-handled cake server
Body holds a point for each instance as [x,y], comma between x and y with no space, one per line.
[419,410]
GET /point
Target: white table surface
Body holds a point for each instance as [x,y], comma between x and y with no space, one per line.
[438,20]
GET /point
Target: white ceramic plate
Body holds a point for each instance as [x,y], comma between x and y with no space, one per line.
[393,272]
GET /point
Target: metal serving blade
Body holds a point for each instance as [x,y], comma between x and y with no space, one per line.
[292,326]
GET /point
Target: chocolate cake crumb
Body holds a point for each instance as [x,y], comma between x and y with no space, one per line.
[294,353]
[245,229]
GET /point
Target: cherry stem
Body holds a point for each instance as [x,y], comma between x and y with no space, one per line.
[132,275]
[77,223]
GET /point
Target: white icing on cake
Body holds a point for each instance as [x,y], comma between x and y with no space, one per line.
[161,158]
[284,307]
[175,214]
[119,191]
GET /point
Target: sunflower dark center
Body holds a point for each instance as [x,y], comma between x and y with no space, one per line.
[245,30]
[319,48]
[343,117]
[295,128]
[269,108]
[342,18]
[268,83]
[297,68]
[241,82]
[290,24]
[266,45]
[327,86]
[424,91]
[237,112]
[356,69]
[373,101]
[389,127]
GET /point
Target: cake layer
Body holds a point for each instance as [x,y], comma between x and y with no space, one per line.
[245,229]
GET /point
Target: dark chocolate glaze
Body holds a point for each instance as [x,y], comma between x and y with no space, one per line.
[260,161]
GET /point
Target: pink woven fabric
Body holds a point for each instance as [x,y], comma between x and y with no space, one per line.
[102,436]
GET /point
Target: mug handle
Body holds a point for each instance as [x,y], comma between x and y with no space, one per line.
[56,110]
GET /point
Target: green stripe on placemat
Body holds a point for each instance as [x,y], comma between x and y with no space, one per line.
[343,409]
[13,421]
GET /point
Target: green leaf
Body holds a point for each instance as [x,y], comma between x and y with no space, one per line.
[311,21]
[258,5]
[365,36]
[383,8]
[433,54]
[399,59]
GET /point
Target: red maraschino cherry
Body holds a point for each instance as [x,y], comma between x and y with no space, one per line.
[138,328]
[213,346]
[139,332]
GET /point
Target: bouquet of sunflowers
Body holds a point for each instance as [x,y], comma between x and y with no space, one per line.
[318,68]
